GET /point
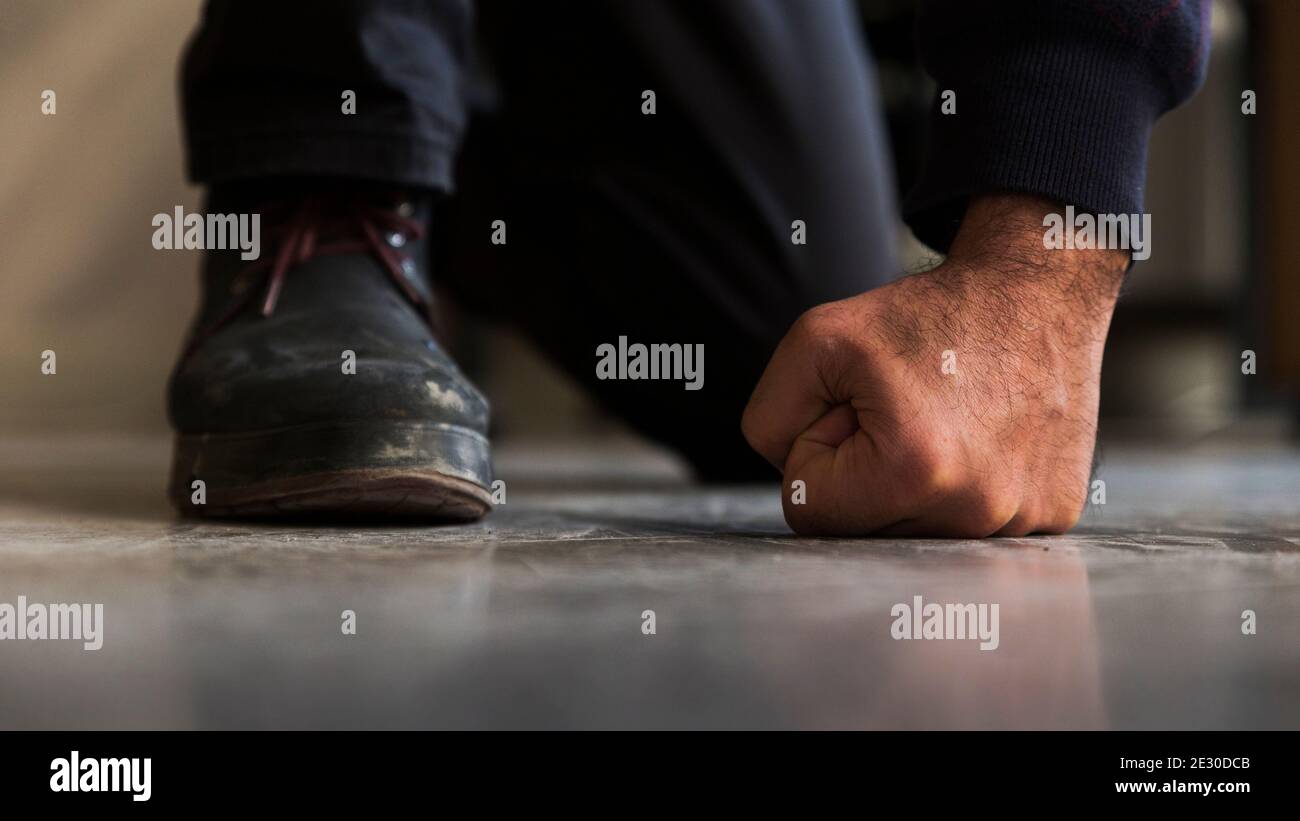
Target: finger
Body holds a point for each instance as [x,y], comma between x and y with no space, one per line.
[1022,524]
[847,488]
[789,397]
[967,514]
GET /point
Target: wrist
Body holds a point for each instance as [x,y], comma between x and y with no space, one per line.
[1001,244]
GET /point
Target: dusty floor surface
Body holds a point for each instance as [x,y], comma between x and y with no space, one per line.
[534,617]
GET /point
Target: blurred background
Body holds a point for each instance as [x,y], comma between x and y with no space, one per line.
[78,274]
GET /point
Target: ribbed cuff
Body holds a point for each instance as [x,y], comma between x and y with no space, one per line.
[1065,120]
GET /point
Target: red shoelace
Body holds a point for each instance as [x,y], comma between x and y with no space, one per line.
[322,225]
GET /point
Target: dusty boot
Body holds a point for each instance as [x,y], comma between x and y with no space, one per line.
[312,382]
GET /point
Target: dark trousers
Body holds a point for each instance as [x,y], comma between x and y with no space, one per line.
[671,227]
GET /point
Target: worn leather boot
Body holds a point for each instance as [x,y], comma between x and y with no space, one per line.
[312,382]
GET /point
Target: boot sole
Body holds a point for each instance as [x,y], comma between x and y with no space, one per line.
[384,470]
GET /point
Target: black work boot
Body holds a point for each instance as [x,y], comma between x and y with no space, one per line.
[312,382]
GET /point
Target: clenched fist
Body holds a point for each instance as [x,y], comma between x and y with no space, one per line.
[957,402]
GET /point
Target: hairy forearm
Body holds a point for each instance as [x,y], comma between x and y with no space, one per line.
[1000,247]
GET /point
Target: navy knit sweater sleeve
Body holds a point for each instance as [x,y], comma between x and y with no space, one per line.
[1053,97]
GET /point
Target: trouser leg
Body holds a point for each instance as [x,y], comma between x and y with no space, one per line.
[263,87]
[673,227]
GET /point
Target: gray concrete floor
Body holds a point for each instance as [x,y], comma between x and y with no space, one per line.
[532,618]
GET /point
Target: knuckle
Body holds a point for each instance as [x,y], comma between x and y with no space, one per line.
[806,328]
[933,473]
[816,316]
[975,507]
[1062,512]
[1017,527]
[821,330]
[990,513]
[1067,516]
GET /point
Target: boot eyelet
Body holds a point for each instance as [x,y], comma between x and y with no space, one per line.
[396,239]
